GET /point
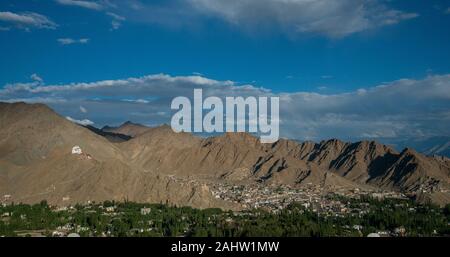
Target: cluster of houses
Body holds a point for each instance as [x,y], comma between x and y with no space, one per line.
[311,196]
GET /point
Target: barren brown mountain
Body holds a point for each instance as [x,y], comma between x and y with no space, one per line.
[127,128]
[37,163]
[158,165]
[111,136]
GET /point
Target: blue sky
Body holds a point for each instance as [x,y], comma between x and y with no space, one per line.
[322,47]
[283,61]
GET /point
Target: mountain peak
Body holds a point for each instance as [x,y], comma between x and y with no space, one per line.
[17,106]
[333,143]
[35,112]
[408,151]
[127,128]
[130,123]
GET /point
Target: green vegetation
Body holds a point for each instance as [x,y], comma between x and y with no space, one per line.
[396,217]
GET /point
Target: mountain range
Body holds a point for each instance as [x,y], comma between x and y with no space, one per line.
[428,145]
[155,164]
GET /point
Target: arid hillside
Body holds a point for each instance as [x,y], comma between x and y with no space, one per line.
[45,156]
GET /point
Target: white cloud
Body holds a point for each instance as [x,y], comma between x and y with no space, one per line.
[66,41]
[327,17]
[116,16]
[36,78]
[103,6]
[85,4]
[116,23]
[330,18]
[140,101]
[71,41]
[28,20]
[84,122]
[399,109]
